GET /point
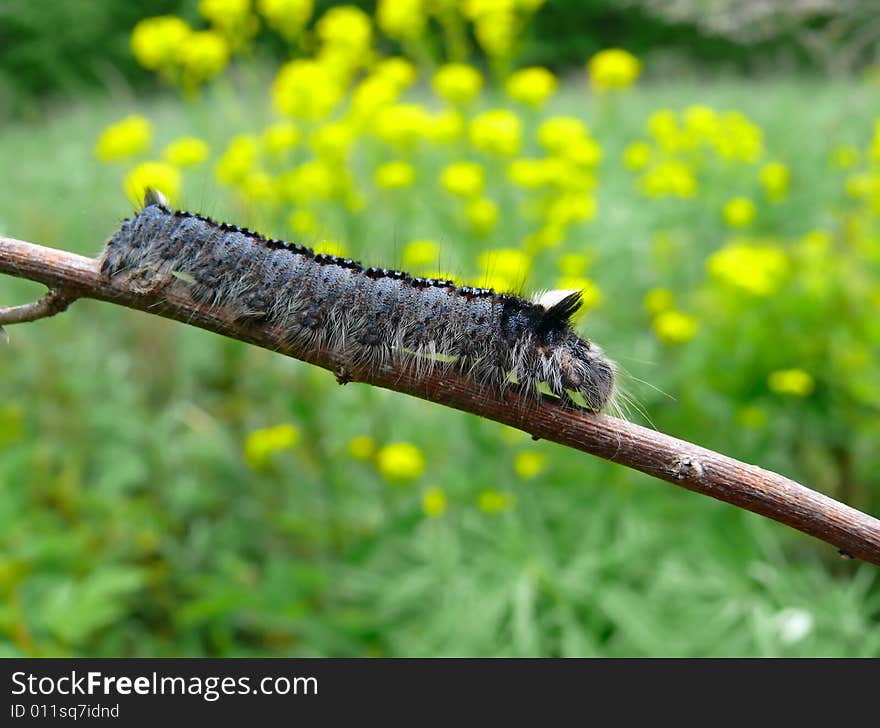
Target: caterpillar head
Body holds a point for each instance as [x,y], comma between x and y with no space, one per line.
[568,362]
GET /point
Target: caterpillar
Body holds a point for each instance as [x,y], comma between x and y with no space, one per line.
[364,315]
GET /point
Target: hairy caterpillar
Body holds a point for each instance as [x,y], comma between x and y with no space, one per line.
[365,315]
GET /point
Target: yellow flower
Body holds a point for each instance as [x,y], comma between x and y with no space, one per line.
[446,126]
[332,142]
[531,174]
[700,122]
[232,17]
[395,175]
[260,445]
[675,327]
[662,124]
[671,177]
[531,86]
[637,155]
[774,177]
[434,502]
[658,300]
[571,207]
[756,269]
[504,269]
[419,254]
[304,222]
[457,83]
[306,89]
[397,71]
[482,215]
[186,151]
[402,125]
[528,464]
[591,295]
[845,157]
[613,69]
[124,139]
[558,133]
[156,42]
[331,247]
[361,447]
[400,461]
[287,17]
[496,501]
[156,175]
[738,138]
[238,160]
[346,28]
[280,137]
[309,181]
[794,382]
[258,186]
[371,95]
[739,212]
[203,56]
[403,19]
[465,179]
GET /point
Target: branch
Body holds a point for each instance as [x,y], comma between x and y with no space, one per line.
[855,534]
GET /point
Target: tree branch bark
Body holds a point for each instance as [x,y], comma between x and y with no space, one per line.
[855,534]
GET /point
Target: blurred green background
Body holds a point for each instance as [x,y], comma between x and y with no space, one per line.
[712,182]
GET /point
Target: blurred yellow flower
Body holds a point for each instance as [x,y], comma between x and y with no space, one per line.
[156,42]
[496,501]
[124,139]
[465,179]
[739,212]
[155,175]
[280,137]
[794,382]
[419,254]
[504,269]
[575,264]
[529,464]
[775,177]
[482,215]
[434,502]
[658,300]
[558,133]
[399,72]
[457,83]
[637,155]
[400,461]
[261,445]
[332,142]
[613,69]
[446,126]
[395,175]
[401,19]
[361,447]
[238,160]
[402,125]
[331,247]
[700,122]
[346,29]
[571,207]
[662,124]
[738,138]
[287,17]
[306,89]
[186,151]
[529,173]
[670,177]
[498,131]
[232,17]
[845,157]
[304,222]
[675,327]
[309,181]
[757,269]
[258,186]
[531,86]
[203,56]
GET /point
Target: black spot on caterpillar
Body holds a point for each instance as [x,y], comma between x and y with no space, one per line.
[364,315]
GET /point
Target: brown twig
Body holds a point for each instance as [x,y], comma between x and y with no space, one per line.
[854,533]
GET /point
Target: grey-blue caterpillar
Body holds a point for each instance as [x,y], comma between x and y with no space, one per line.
[363,315]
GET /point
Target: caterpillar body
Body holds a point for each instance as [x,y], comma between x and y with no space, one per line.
[364,315]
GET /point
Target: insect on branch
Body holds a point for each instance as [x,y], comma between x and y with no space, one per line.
[855,534]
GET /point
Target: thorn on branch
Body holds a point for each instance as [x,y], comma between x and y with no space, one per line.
[55,301]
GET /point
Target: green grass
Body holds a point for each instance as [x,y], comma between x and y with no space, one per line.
[130,523]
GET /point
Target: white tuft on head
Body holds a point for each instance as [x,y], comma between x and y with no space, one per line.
[548,299]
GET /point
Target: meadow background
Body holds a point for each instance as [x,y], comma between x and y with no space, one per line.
[709,173]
